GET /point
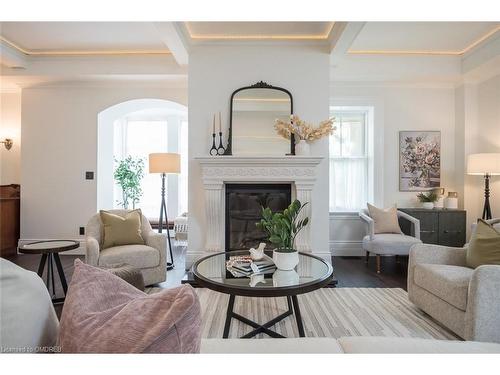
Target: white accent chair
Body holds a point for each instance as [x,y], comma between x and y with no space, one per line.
[389,243]
[150,258]
[465,300]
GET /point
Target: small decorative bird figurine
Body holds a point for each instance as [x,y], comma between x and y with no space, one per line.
[258,254]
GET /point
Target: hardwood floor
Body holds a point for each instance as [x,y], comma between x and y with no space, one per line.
[350,271]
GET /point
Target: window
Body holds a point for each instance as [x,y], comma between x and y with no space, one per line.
[350,187]
[138,138]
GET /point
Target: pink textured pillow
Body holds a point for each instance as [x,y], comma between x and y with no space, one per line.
[104,314]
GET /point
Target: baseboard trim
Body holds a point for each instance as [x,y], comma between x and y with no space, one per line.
[79,251]
[346,248]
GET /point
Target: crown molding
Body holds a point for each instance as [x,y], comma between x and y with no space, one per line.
[81,52]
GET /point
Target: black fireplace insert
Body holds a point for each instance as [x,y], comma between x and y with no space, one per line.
[244,204]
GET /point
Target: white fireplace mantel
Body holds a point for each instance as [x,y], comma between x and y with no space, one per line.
[300,171]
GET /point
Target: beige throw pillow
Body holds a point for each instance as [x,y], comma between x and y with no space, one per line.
[484,246]
[120,230]
[386,220]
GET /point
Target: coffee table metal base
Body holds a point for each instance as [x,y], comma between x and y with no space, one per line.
[293,307]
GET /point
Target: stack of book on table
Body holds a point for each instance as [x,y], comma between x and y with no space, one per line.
[245,266]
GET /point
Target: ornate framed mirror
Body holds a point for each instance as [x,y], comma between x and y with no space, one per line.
[253,111]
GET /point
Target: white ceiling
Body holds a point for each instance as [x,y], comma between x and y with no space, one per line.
[258,30]
[83,36]
[420,36]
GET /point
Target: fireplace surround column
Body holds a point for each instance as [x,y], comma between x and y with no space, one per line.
[304,194]
[214,194]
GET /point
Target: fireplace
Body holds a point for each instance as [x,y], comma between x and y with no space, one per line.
[244,204]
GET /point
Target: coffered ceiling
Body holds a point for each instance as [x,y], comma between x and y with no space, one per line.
[52,38]
[421,37]
[258,30]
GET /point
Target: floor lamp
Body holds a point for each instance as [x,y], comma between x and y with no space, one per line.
[165,163]
[484,165]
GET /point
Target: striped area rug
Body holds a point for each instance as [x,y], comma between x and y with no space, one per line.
[327,312]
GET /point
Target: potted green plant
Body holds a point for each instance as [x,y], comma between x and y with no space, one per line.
[283,228]
[128,174]
[428,199]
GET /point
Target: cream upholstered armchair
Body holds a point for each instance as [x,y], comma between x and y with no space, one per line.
[465,300]
[388,243]
[150,258]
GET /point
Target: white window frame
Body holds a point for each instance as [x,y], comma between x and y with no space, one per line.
[368,112]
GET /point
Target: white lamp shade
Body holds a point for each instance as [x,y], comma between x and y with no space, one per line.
[481,164]
[164,163]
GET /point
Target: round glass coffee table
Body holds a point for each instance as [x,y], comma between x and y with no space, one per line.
[50,251]
[311,273]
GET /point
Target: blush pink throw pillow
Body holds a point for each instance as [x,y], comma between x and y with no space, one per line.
[104,314]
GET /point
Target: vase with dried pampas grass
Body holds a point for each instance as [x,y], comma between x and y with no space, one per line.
[303,132]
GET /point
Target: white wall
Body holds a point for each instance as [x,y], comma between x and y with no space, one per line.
[489,131]
[10,127]
[396,108]
[214,73]
[59,135]
[480,125]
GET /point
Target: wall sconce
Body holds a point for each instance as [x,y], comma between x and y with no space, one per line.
[7,142]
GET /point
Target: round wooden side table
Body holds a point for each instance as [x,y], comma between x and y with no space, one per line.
[50,252]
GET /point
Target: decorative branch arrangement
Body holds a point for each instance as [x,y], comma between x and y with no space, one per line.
[128,174]
[302,130]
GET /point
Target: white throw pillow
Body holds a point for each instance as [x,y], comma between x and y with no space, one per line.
[386,220]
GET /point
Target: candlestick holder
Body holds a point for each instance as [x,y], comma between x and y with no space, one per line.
[213,150]
[220,149]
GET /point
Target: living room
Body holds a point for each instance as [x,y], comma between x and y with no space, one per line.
[319,186]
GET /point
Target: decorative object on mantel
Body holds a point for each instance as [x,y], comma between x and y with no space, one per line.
[303,132]
[214,150]
[419,160]
[451,202]
[486,164]
[283,228]
[428,199]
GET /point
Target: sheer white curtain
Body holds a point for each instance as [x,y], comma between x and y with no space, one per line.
[349,161]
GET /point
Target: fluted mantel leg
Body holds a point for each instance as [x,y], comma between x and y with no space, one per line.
[304,194]
[214,204]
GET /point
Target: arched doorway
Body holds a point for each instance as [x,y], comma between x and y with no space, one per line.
[137,128]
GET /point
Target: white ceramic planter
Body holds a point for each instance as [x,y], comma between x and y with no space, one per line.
[302,148]
[428,205]
[285,261]
[285,278]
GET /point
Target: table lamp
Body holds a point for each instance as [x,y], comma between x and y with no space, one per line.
[487,164]
[165,163]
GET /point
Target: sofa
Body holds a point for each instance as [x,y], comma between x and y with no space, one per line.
[29,324]
[465,300]
[150,258]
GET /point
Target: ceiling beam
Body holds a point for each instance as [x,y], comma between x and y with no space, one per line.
[335,34]
[345,38]
[172,36]
[11,57]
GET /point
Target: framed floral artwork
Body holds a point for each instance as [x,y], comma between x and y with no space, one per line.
[419,160]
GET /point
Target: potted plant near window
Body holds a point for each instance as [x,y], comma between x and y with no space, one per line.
[128,174]
[283,228]
[428,199]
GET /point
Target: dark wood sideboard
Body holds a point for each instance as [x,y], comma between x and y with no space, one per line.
[10,198]
[438,226]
